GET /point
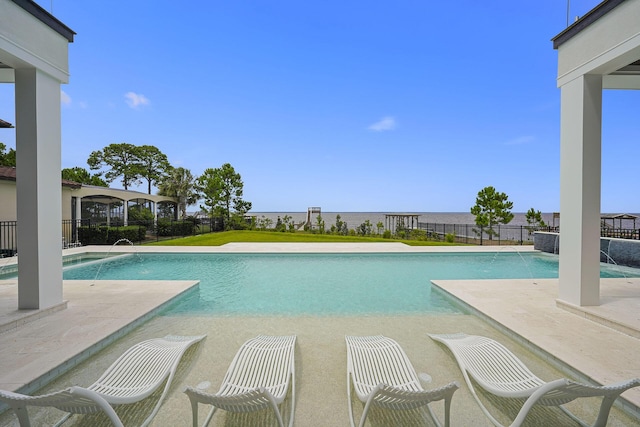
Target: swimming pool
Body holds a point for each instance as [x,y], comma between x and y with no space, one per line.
[320,338]
[321,284]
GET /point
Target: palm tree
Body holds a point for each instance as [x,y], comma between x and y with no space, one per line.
[180,183]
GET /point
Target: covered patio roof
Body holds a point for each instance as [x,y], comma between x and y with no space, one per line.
[109,195]
[5,125]
[599,51]
[619,218]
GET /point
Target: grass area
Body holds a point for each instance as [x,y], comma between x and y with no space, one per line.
[217,239]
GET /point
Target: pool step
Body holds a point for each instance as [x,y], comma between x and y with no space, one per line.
[615,324]
[14,319]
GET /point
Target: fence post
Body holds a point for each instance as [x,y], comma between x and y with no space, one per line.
[521,237]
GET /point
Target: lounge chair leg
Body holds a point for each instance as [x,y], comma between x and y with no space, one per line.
[274,405]
[605,408]
[353,424]
[63,420]
[367,405]
[293,399]
[209,416]
[447,409]
[194,411]
[23,416]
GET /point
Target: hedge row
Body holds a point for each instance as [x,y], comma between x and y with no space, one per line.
[176,228]
[109,235]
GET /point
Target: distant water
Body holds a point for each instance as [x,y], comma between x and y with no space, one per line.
[354,219]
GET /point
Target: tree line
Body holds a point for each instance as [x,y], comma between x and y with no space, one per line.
[221,189]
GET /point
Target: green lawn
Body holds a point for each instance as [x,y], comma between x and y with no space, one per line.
[217,239]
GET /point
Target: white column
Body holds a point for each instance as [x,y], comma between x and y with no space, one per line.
[78,222]
[78,210]
[580,178]
[126,212]
[39,192]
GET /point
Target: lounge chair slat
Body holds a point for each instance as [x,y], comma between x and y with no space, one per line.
[497,370]
[260,376]
[134,376]
[381,374]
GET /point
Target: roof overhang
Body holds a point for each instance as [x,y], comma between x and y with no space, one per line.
[584,21]
[604,42]
[32,38]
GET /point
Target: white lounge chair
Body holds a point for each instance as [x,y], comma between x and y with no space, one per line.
[135,375]
[497,370]
[259,377]
[381,374]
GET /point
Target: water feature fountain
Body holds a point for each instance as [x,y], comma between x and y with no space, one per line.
[116,243]
[612,261]
[519,254]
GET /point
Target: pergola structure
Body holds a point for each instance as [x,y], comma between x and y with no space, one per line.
[394,221]
[34,58]
[110,196]
[599,51]
[619,217]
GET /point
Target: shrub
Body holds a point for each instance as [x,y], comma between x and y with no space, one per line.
[365,228]
[450,238]
[139,213]
[175,228]
[386,234]
[417,234]
[104,235]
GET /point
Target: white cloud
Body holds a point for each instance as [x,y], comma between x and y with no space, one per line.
[521,140]
[386,123]
[64,98]
[135,100]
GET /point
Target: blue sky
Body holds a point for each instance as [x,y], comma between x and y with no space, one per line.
[352,106]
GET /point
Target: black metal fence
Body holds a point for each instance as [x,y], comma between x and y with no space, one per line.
[506,234]
[8,238]
[476,235]
[82,232]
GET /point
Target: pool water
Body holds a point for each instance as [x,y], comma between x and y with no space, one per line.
[321,284]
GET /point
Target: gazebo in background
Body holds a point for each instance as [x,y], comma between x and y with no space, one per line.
[5,125]
[619,218]
[393,222]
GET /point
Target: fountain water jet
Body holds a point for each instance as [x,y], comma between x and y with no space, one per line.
[521,257]
[614,263]
[109,252]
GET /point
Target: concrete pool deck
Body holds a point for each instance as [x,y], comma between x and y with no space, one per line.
[529,310]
